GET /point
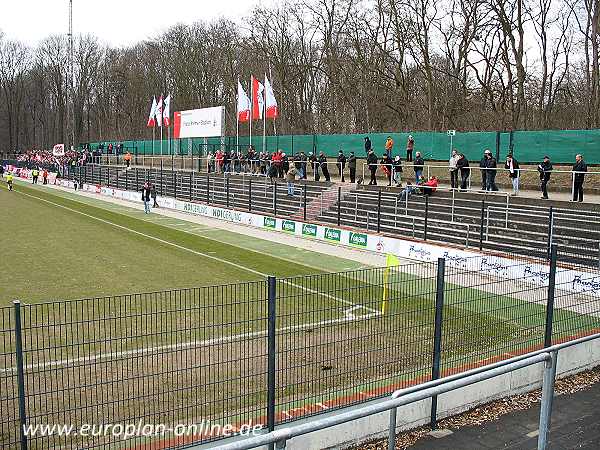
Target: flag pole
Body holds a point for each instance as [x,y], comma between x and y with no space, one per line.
[153,137]
[161,139]
[251,107]
[264,113]
[237,117]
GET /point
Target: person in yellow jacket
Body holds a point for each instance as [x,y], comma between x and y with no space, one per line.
[389,145]
[35,173]
[9,181]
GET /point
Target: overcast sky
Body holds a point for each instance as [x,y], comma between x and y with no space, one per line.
[117,22]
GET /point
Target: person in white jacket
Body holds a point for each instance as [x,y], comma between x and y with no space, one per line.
[453,169]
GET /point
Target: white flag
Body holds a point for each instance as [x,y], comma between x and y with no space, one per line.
[151,118]
[272,112]
[167,111]
[159,112]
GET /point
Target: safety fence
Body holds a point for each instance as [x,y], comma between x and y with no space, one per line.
[560,145]
[268,352]
[491,220]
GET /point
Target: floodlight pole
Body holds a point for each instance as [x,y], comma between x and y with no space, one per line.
[71,103]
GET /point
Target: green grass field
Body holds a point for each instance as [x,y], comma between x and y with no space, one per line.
[59,246]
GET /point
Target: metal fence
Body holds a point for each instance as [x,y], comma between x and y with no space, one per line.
[271,351]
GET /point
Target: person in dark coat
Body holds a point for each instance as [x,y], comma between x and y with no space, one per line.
[387,165]
[545,169]
[352,167]
[490,177]
[146,198]
[579,169]
[368,145]
[323,164]
[153,195]
[418,165]
[463,167]
[372,162]
[482,169]
[312,158]
[302,158]
[512,165]
[397,166]
[341,164]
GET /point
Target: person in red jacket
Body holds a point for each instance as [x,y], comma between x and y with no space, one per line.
[430,186]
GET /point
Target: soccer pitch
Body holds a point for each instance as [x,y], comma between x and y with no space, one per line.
[202,323]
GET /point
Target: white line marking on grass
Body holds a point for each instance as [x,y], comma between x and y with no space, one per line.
[185,345]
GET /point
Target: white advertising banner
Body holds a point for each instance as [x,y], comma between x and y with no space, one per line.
[205,122]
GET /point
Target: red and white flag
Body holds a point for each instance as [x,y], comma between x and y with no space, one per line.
[167,111]
[151,117]
[272,112]
[158,113]
[258,99]
[243,104]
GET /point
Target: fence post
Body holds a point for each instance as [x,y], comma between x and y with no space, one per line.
[437,335]
[126,181]
[339,206]
[547,400]
[379,211]
[175,185]
[481,224]
[426,217]
[207,189]
[271,346]
[250,195]
[137,183]
[227,189]
[20,373]
[304,214]
[275,198]
[161,176]
[191,183]
[550,302]
[550,230]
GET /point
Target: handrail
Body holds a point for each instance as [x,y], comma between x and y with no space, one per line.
[423,391]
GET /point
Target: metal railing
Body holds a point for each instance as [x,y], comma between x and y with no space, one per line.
[399,398]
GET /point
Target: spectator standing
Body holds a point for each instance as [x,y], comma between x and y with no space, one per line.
[352,167]
[226,161]
[463,166]
[482,169]
[372,162]
[312,158]
[127,159]
[389,146]
[45,176]
[323,164]
[410,146]
[219,159]
[153,195]
[368,145]
[386,165]
[545,169]
[491,166]
[285,163]
[302,169]
[341,164]
[146,198]
[579,169]
[512,165]
[453,169]
[418,165]
[290,177]
[397,167]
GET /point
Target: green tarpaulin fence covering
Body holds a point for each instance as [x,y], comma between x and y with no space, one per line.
[527,146]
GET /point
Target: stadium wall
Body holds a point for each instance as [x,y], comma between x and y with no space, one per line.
[527,146]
